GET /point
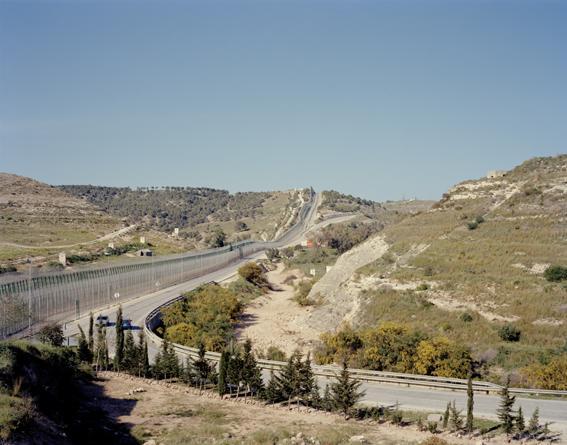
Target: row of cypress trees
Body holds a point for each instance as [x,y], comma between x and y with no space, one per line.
[129,356]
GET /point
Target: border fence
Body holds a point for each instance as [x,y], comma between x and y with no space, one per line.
[63,295]
[56,296]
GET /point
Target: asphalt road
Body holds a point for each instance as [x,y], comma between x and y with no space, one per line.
[421,399]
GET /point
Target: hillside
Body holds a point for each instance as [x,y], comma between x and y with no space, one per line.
[39,215]
[40,220]
[195,211]
[465,269]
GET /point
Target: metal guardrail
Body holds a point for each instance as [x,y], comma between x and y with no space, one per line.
[153,319]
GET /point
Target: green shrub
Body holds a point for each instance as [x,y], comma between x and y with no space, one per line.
[466,317]
[472,225]
[479,219]
[509,332]
[253,273]
[275,353]
[555,273]
[302,292]
[422,286]
[51,334]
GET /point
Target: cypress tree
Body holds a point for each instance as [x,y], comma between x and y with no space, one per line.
[85,354]
[91,333]
[470,406]
[106,361]
[145,360]
[446,415]
[119,350]
[100,346]
[345,391]
[130,360]
[520,422]
[505,411]
[223,368]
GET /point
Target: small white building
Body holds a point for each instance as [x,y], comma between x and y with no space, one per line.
[63,258]
[495,174]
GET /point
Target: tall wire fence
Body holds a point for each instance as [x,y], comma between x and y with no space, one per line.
[63,295]
[56,296]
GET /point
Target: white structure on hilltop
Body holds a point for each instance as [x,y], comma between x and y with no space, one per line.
[495,174]
[63,258]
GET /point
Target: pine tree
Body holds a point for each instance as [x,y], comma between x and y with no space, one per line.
[520,422]
[166,364]
[470,406]
[289,380]
[272,394]
[315,399]
[446,415]
[91,333]
[456,418]
[106,359]
[188,373]
[223,368]
[85,354]
[345,391]
[119,350]
[533,425]
[203,367]
[251,374]
[307,380]
[235,371]
[327,402]
[505,411]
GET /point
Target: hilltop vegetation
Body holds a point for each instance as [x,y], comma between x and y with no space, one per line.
[38,220]
[170,207]
[472,270]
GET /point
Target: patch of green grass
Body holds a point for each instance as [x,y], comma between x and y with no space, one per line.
[15,415]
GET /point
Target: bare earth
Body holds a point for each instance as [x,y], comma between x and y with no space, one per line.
[273,319]
[174,414]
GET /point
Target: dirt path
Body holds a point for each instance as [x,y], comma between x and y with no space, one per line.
[274,319]
[106,237]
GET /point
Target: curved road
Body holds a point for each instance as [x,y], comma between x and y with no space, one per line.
[421,399]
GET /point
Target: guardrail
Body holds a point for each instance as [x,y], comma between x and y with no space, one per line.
[153,319]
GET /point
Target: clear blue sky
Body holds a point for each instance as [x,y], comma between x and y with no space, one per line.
[379,99]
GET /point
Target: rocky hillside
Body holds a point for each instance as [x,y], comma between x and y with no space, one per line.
[467,269]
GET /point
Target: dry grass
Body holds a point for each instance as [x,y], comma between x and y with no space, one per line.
[489,267]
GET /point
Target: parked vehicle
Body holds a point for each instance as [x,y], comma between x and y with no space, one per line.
[103,320]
